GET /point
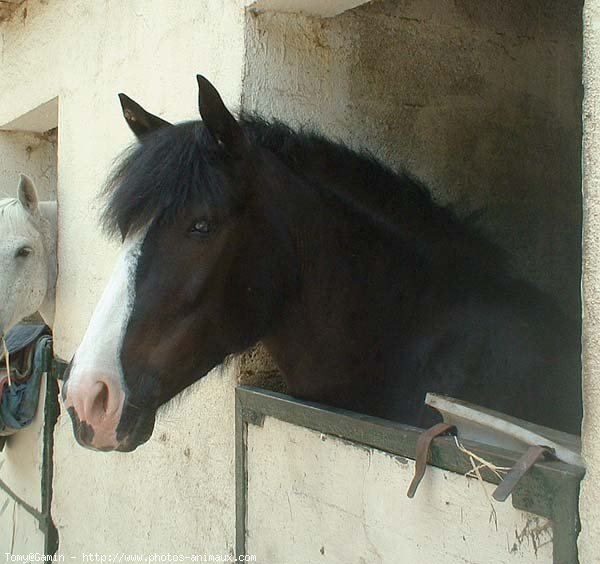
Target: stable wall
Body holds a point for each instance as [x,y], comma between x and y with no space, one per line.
[589,504]
[175,494]
[31,153]
[21,470]
[313,497]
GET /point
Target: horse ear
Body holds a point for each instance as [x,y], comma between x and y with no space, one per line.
[139,120]
[222,126]
[28,195]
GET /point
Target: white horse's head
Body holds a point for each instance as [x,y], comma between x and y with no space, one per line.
[27,256]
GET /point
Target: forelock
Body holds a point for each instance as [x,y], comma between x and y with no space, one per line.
[160,176]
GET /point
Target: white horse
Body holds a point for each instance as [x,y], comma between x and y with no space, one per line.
[28,267]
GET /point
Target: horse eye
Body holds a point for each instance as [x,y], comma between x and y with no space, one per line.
[201,227]
[24,252]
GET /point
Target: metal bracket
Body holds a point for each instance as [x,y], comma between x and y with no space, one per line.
[422,453]
[521,467]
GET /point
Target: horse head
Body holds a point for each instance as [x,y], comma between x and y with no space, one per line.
[27,256]
[196,281]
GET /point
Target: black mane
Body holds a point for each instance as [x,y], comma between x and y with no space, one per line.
[395,201]
[158,177]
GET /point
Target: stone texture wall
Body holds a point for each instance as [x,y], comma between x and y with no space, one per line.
[589,539]
[31,153]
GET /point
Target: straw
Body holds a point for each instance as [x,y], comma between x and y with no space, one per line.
[477,463]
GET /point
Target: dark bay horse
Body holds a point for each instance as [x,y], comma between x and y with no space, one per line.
[366,292]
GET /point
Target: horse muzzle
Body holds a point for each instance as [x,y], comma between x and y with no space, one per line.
[95,404]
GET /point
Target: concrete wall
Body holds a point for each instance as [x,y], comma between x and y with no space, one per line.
[589,540]
[33,154]
[21,470]
[176,493]
[479,99]
[315,498]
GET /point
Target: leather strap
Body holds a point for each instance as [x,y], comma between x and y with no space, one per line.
[422,453]
[521,467]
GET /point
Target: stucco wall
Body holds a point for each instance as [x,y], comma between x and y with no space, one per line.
[19,531]
[21,470]
[33,154]
[316,498]
[175,493]
[479,99]
[589,539]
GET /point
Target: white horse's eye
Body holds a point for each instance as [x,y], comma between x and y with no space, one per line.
[24,252]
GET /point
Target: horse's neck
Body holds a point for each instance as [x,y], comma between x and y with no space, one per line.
[366,283]
[349,308]
[49,212]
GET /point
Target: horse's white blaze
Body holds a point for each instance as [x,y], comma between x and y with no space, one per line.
[98,357]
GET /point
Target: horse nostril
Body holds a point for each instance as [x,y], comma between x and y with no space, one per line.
[99,405]
[95,402]
[101,401]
